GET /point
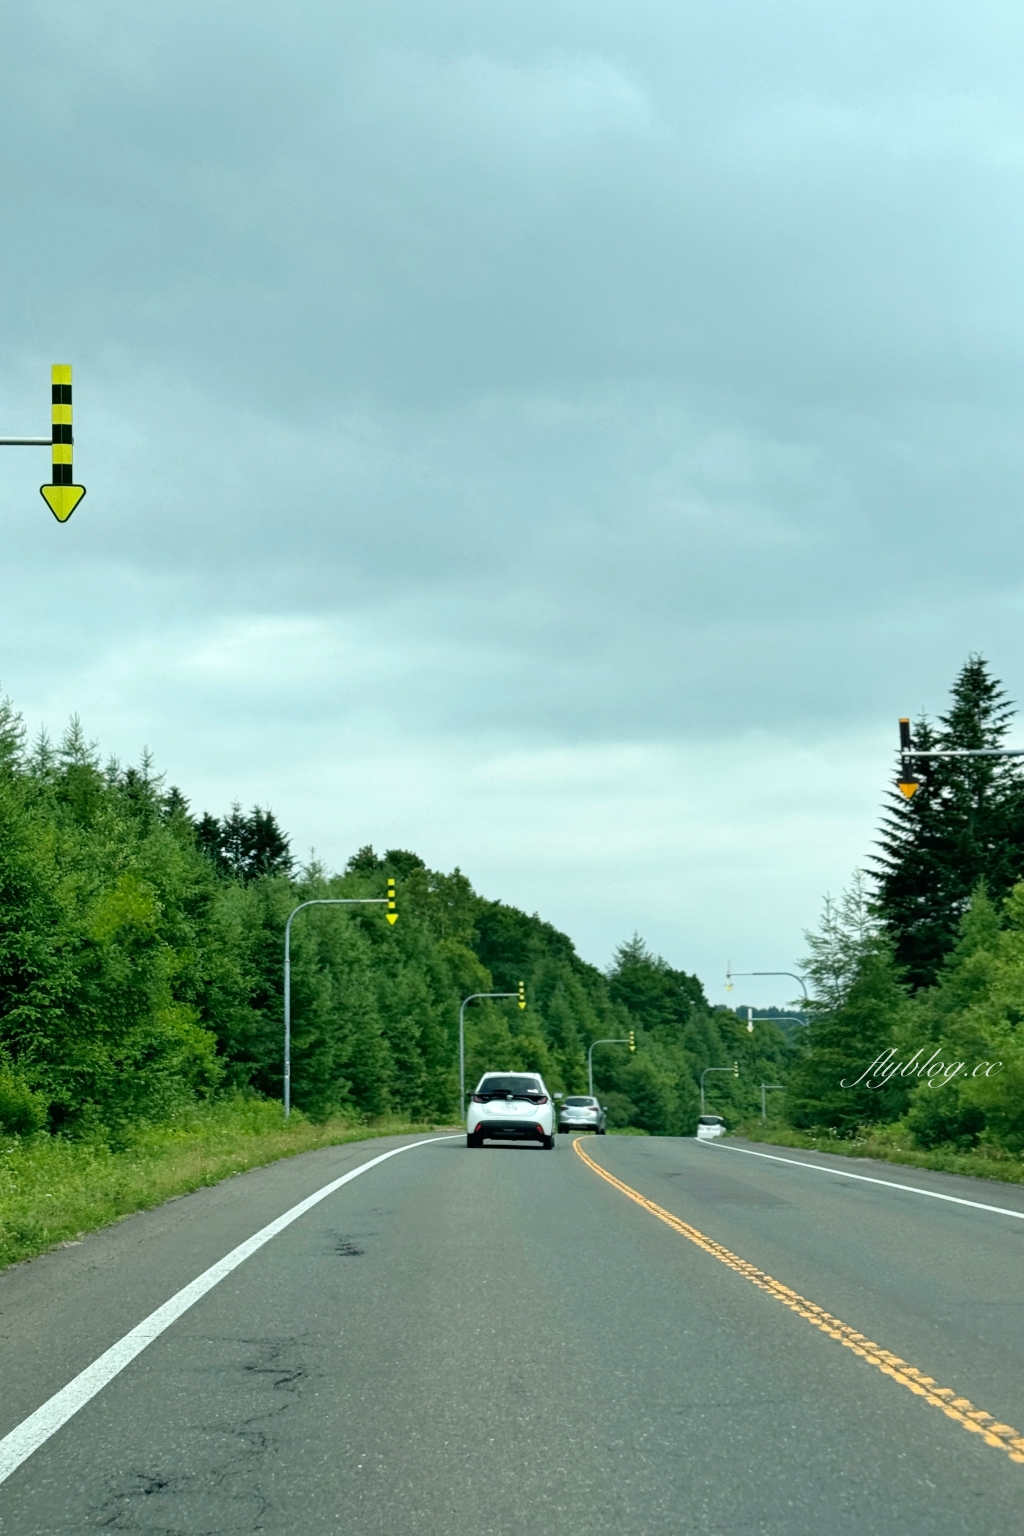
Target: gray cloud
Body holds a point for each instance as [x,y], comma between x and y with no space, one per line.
[619,401]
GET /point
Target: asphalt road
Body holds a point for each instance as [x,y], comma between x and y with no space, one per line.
[501,1343]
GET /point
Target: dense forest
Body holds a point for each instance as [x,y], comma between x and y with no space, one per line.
[919,967]
[141,970]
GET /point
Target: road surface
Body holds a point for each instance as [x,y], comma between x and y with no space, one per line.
[503,1343]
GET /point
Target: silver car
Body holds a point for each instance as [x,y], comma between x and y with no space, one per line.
[581,1113]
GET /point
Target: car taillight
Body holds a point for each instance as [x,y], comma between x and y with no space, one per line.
[541,1098]
[478,1098]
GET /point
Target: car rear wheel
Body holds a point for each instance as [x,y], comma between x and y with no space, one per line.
[474,1141]
[549,1142]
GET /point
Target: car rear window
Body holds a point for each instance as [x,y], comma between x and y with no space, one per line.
[517,1086]
[581,1101]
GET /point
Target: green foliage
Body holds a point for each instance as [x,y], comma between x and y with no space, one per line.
[648,987]
[858,1003]
[21,1110]
[943,1118]
[141,953]
[927,977]
[964,825]
[955,1047]
[679,1036]
[54,1189]
[244,846]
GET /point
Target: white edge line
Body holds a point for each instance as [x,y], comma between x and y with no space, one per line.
[911,1189]
[31,1433]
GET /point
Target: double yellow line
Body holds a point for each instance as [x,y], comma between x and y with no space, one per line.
[960,1409]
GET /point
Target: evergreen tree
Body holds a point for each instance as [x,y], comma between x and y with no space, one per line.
[649,987]
[141,969]
[857,1007]
[975,1015]
[965,824]
[245,847]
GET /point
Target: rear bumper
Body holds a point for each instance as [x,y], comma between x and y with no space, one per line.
[511,1130]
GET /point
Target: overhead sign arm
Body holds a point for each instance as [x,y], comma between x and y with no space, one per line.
[908,784]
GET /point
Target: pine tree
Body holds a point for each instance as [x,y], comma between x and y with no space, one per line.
[649,987]
[964,825]
[245,847]
[857,1004]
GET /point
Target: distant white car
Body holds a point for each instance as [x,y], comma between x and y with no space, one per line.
[511,1106]
[710,1126]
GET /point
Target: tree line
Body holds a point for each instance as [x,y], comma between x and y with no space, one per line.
[141,971]
[919,966]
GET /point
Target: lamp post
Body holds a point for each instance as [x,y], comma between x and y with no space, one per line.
[764,1087]
[619,1040]
[320,901]
[462,1037]
[734,1069]
[730,973]
[773,1018]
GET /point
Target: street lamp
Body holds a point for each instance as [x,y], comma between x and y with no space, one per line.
[629,1040]
[764,1086]
[321,901]
[462,1035]
[730,973]
[773,1018]
[734,1069]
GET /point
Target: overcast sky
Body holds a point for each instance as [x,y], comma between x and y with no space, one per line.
[557,437]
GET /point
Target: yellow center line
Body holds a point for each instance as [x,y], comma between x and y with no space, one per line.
[963,1412]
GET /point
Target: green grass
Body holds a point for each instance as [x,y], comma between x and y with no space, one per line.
[892,1144]
[53,1191]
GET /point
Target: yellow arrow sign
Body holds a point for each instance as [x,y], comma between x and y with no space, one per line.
[392,912]
[908,788]
[62,497]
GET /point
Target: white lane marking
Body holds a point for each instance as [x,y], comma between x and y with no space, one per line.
[910,1189]
[34,1431]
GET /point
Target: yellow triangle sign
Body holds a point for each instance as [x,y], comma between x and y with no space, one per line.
[392,918]
[62,499]
[908,788]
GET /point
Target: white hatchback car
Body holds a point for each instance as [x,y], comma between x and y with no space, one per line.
[511,1106]
[710,1126]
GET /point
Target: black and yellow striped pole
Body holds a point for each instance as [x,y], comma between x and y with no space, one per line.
[61,496]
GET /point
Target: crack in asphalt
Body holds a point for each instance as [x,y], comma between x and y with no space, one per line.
[225,1497]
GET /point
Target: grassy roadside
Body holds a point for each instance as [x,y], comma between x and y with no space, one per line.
[890,1144]
[54,1191]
